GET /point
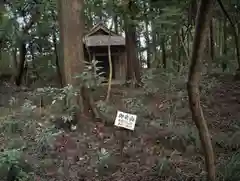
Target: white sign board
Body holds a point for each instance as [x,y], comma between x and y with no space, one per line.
[125,120]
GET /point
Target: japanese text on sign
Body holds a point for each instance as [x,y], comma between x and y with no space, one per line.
[125,120]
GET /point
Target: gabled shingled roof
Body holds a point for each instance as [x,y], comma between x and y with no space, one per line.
[92,38]
[100,26]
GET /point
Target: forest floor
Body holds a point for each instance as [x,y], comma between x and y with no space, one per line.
[163,146]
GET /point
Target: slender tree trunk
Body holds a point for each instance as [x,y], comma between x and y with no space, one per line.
[110,73]
[154,43]
[60,77]
[174,47]
[2,11]
[188,43]
[115,19]
[23,51]
[138,45]
[164,61]
[204,15]
[224,46]
[219,36]
[1,49]
[238,25]
[34,68]
[212,52]
[192,11]
[14,59]
[179,55]
[147,44]
[21,65]
[57,17]
[235,37]
[146,34]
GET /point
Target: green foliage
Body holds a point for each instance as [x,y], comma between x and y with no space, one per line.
[66,94]
[23,123]
[135,106]
[103,155]
[208,85]
[91,77]
[104,107]
[162,166]
[148,83]
[12,126]
[230,171]
[106,163]
[45,139]
[187,134]
[155,80]
[11,159]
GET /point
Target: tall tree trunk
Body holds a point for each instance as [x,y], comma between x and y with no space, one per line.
[133,66]
[14,60]
[179,55]
[147,44]
[192,11]
[235,37]
[174,47]
[55,17]
[210,44]
[34,17]
[115,19]
[188,43]
[21,65]
[34,69]
[211,40]
[129,66]
[224,64]
[2,11]
[204,15]
[146,35]
[154,42]
[219,36]
[71,30]
[164,61]
[59,73]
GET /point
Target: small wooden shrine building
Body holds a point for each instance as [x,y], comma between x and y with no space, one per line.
[96,43]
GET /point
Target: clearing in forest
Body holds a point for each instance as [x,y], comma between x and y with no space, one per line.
[164,144]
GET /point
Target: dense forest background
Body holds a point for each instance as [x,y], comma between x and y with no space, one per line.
[163,32]
[57,113]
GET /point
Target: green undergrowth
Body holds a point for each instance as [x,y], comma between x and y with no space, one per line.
[37,131]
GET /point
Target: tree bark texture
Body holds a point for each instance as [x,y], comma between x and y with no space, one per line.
[71,30]
[133,66]
[204,15]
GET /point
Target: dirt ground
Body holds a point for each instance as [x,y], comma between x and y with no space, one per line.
[164,145]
